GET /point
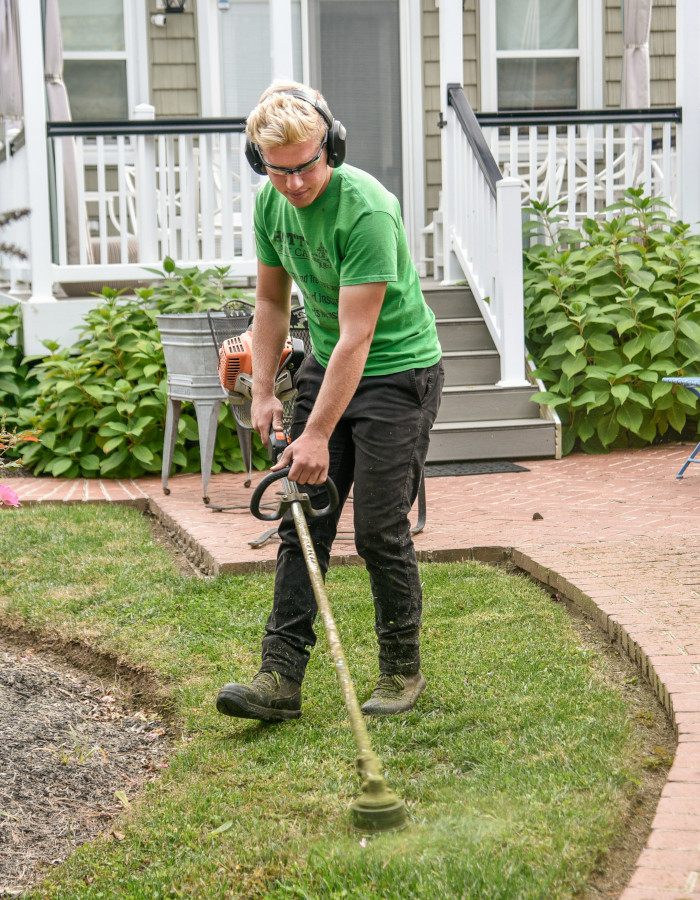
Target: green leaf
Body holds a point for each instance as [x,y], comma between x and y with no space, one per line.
[643,279]
[620,391]
[143,454]
[689,350]
[90,462]
[630,417]
[607,429]
[114,442]
[574,364]
[60,466]
[690,329]
[632,347]
[575,343]
[660,389]
[676,418]
[601,341]
[660,342]
[113,461]
[112,428]
[605,290]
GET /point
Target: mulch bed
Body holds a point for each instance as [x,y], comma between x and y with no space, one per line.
[73,757]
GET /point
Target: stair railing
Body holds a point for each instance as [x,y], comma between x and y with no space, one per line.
[483,232]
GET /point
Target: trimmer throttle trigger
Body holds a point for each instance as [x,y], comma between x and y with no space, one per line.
[277,443]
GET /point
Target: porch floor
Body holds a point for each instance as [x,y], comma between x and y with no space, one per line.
[617,535]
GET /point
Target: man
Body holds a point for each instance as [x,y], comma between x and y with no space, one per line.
[367,395]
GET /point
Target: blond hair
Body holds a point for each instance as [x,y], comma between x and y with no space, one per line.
[280,119]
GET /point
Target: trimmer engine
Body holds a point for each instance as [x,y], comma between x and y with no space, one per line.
[236,367]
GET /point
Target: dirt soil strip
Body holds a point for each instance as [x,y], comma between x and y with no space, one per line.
[73,757]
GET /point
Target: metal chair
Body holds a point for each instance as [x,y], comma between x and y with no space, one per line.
[692,384]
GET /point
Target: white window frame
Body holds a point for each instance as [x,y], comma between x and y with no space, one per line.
[589,54]
[134,54]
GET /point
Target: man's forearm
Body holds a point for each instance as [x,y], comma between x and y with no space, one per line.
[340,382]
[270,329]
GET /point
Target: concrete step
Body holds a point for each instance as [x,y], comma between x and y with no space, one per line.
[492,439]
[468,403]
[447,302]
[471,367]
[464,333]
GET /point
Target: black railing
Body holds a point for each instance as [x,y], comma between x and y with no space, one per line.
[456,98]
[656,115]
[117,127]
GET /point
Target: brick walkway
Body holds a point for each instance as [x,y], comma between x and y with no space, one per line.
[615,534]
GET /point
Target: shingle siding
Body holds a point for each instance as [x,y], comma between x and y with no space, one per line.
[173,69]
[431,87]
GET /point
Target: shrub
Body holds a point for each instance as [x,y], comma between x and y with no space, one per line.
[611,310]
[13,371]
[100,405]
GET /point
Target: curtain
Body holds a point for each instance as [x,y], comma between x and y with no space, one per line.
[636,25]
[11,110]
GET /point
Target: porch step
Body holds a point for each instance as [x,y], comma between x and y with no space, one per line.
[469,403]
[464,333]
[492,439]
[448,302]
[471,367]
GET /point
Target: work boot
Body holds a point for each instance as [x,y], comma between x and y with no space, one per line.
[394,694]
[270,697]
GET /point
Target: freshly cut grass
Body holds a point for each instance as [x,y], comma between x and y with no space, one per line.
[518,765]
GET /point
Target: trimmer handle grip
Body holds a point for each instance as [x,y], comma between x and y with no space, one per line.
[287,499]
[277,443]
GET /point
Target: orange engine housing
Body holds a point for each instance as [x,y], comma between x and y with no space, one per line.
[236,357]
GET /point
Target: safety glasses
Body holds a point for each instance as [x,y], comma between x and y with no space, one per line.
[299,170]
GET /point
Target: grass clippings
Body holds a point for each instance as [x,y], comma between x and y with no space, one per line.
[520,766]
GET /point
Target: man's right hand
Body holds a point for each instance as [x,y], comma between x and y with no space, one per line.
[266,412]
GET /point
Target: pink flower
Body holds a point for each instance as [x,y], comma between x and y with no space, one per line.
[8,496]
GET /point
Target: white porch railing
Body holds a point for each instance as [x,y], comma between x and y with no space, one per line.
[584,160]
[145,189]
[482,228]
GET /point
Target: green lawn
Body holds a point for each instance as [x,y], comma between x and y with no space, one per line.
[518,765]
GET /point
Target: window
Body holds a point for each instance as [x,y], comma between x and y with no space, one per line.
[95,58]
[537,54]
[541,54]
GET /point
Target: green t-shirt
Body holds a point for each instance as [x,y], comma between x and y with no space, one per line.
[351,234]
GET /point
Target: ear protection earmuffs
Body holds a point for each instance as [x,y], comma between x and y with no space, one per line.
[335,144]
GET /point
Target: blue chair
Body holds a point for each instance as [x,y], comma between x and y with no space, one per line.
[692,384]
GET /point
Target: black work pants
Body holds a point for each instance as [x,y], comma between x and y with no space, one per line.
[380,444]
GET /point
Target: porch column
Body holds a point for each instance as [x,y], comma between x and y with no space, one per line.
[31,31]
[688,97]
[281,56]
[451,69]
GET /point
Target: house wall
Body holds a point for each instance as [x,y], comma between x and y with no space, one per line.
[174,63]
[431,87]
[662,52]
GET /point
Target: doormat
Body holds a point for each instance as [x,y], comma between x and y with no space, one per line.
[478,467]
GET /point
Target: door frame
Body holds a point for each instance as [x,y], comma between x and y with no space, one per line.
[412,138]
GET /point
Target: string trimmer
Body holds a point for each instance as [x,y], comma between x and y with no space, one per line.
[378,807]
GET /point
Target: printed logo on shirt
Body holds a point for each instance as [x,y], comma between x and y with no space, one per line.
[320,257]
[289,244]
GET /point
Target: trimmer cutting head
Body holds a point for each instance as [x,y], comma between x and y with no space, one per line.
[378,808]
